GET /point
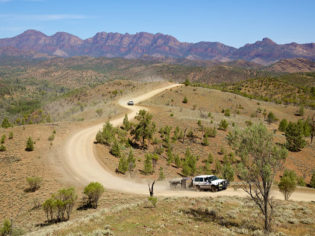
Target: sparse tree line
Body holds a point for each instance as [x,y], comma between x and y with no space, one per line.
[142,133]
[295,132]
[60,205]
[293,95]
[30,144]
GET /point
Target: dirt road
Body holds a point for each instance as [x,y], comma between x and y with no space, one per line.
[82,165]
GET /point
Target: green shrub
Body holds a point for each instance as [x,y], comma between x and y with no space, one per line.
[210,132]
[153,201]
[148,168]
[205,141]
[300,112]
[218,167]
[223,125]
[126,123]
[34,183]
[227,112]
[123,165]
[187,82]
[185,100]
[300,181]
[2,148]
[115,149]
[228,172]
[294,137]
[189,164]
[248,123]
[161,174]
[51,137]
[6,228]
[271,118]
[11,135]
[287,183]
[177,161]
[99,112]
[60,205]
[29,145]
[210,158]
[5,123]
[131,161]
[3,137]
[65,200]
[93,191]
[283,125]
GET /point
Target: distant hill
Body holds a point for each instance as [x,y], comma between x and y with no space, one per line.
[293,65]
[144,44]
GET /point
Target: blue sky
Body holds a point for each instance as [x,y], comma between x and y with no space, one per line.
[233,22]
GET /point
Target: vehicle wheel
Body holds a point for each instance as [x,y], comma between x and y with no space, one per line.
[198,188]
[213,188]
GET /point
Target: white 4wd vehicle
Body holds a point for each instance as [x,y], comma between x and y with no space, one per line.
[209,182]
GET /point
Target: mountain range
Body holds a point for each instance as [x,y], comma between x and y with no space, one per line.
[36,44]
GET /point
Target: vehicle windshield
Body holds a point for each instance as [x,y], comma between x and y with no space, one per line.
[213,178]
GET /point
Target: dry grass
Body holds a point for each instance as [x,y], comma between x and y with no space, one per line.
[203,216]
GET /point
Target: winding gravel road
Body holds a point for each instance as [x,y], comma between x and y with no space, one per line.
[80,162]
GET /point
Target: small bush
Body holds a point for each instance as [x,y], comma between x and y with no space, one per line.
[300,112]
[300,181]
[210,132]
[123,165]
[3,137]
[6,228]
[2,148]
[283,125]
[161,174]
[93,191]
[115,150]
[59,205]
[228,172]
[29,145]
[34,183]
[205,141]
[5,123]
[153,201]
[185,100]
[148,167]
[210,158]
[227,112]
[248,123]
[187,82]
[99,112]
[51,138]
[223,125]
[271,118]
[287,183]
[11,135]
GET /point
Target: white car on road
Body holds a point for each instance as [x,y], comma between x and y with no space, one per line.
[209,182]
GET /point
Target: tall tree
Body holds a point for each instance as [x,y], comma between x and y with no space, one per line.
[145,128]
[294,136]
[261,159]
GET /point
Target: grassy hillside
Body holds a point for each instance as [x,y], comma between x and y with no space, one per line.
[295,88]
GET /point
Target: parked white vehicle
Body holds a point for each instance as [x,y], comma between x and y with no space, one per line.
[209,182]
[130,103]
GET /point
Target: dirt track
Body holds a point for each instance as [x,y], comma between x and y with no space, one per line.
[80,162]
